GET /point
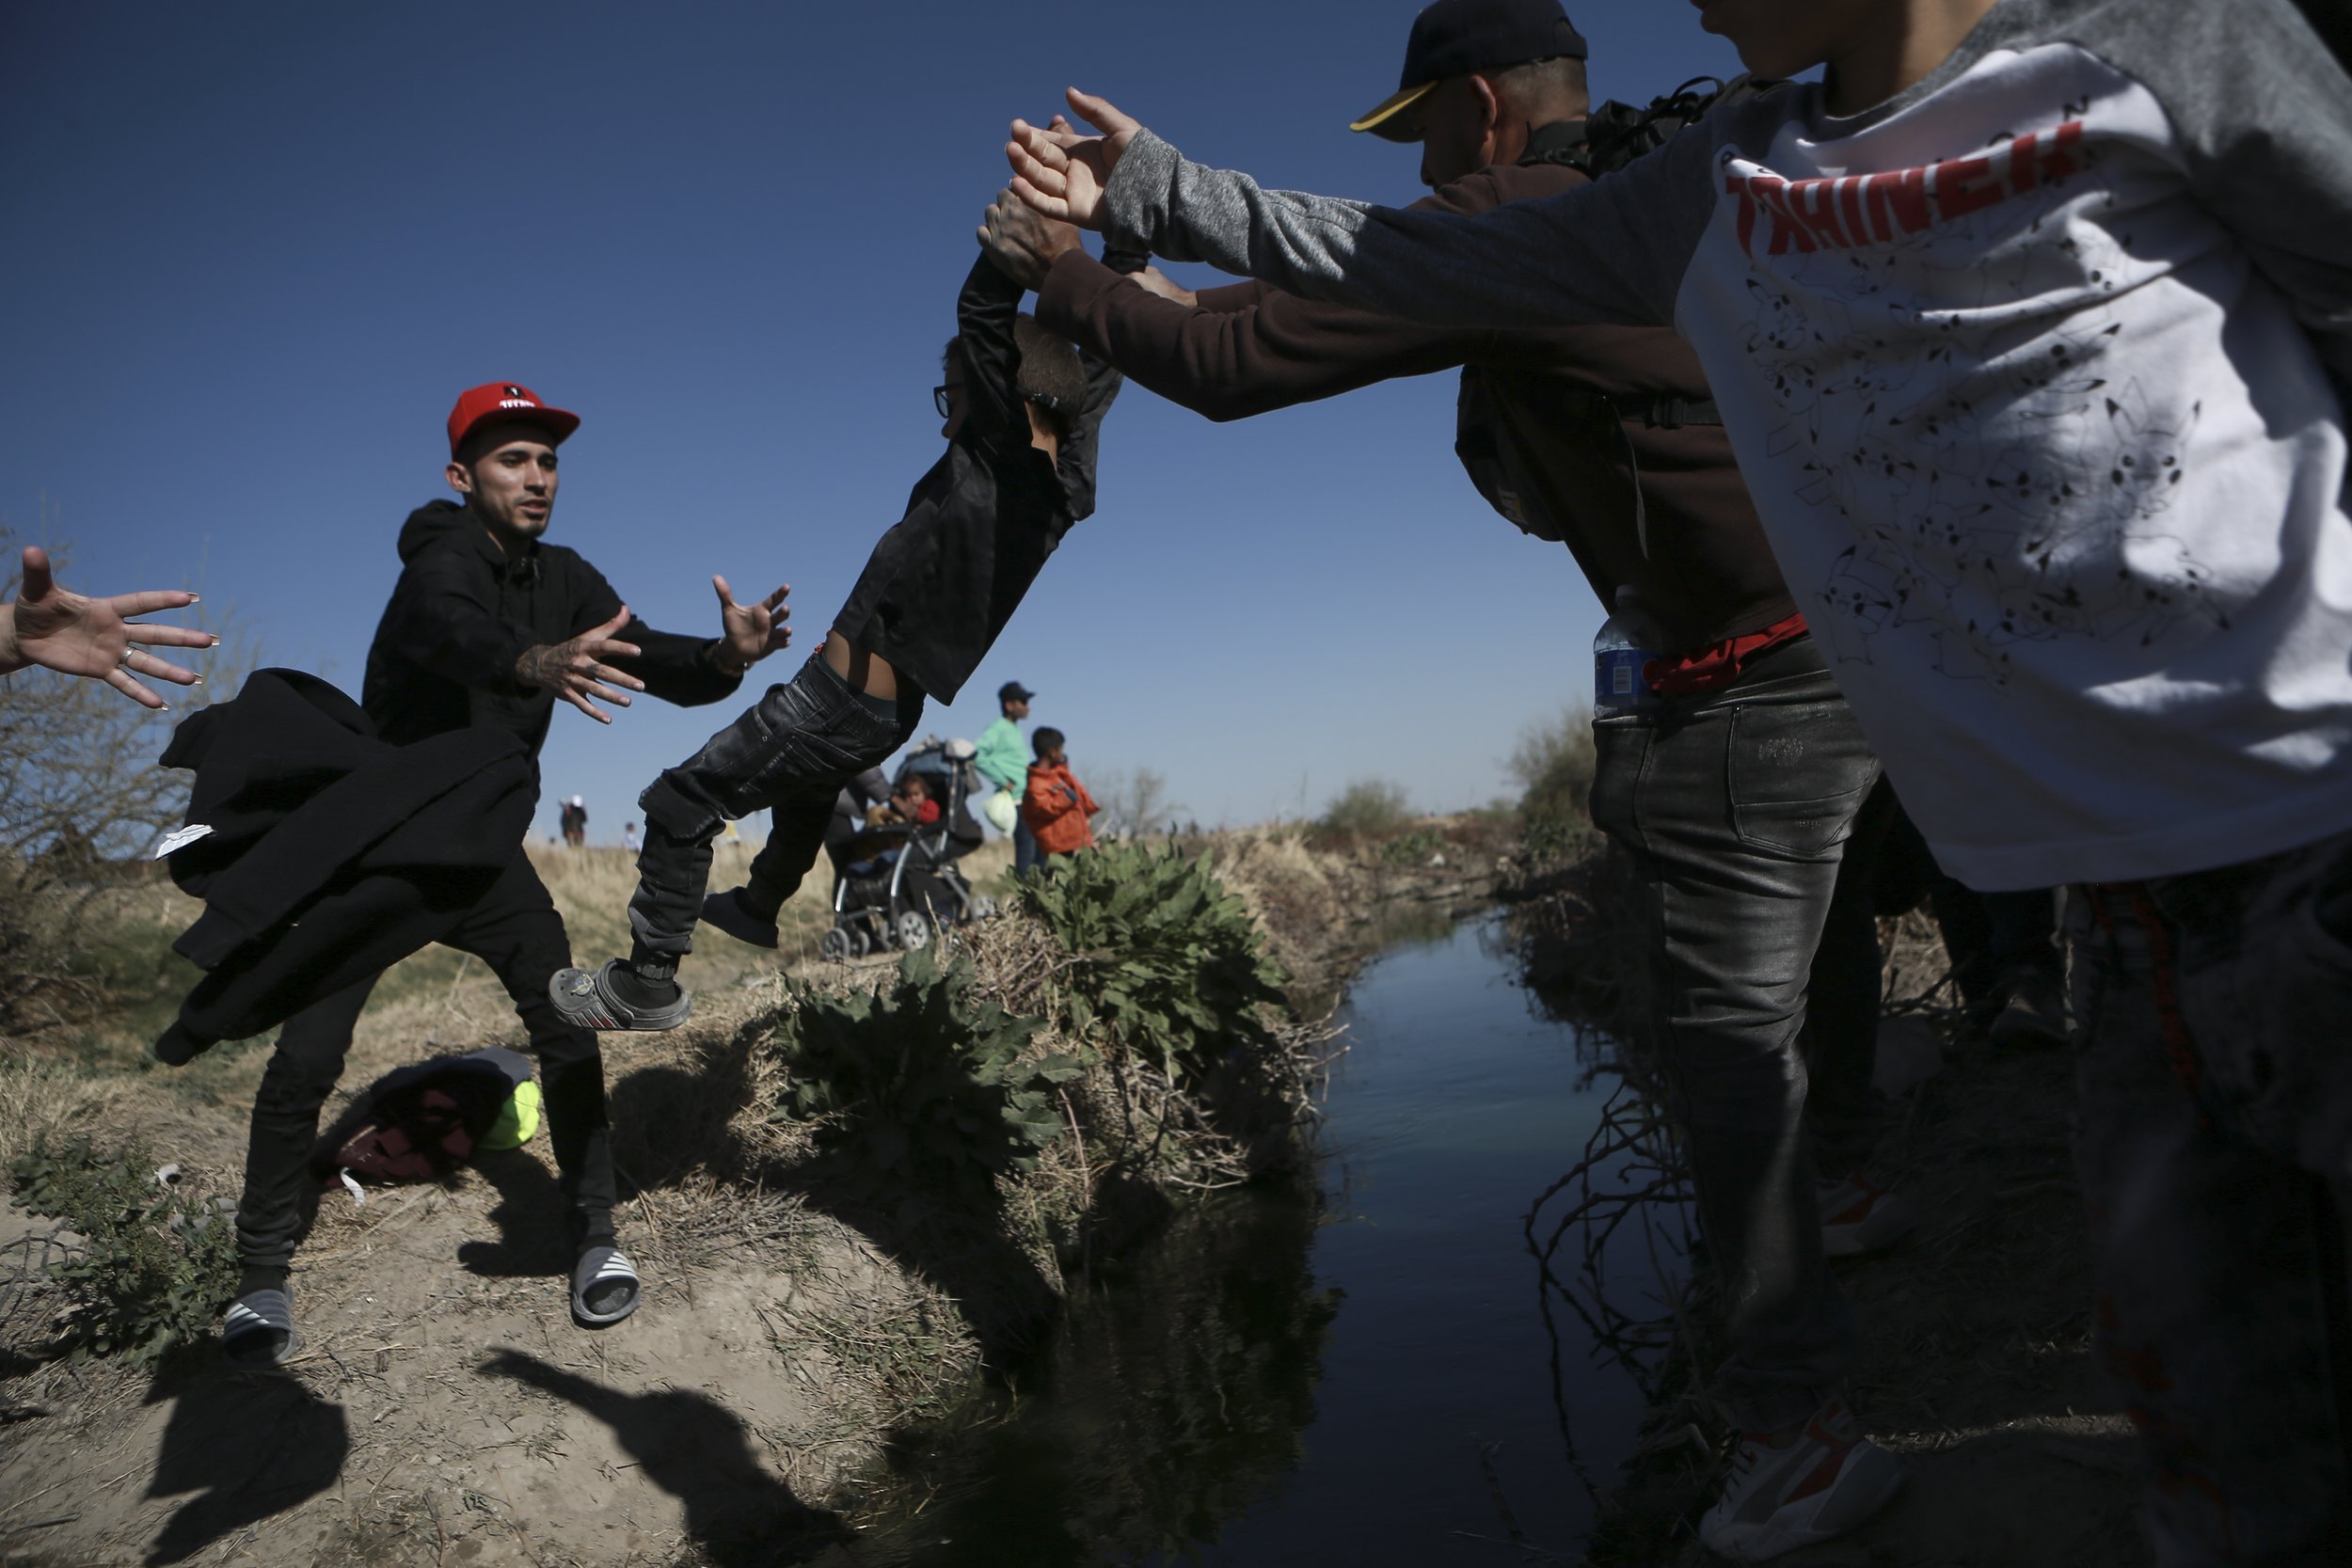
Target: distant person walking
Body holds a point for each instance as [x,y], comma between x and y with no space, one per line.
[575,822]
[1057,807]
[1003,760]
[630,840]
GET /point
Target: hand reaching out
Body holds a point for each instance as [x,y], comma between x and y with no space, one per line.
[1023,244]
[575,670]
[750,632]
[1062,174]
[62,630]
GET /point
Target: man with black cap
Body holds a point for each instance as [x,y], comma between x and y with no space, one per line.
[1735,791]
[1003,760]
[488,626]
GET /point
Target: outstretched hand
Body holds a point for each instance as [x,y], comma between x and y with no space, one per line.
[576,670]
[1062,174]
[65,631]
[1023,243]
[750,632]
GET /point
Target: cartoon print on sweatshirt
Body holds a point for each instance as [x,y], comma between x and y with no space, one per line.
[1976,527]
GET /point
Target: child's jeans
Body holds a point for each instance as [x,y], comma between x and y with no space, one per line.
[791,754]
[2216,1156]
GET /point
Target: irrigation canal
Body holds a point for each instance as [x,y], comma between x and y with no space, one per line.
[1362,1376]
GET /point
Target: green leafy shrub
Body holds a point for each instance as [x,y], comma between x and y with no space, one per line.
[1170,961]
[1413,848]
[157,1264]
[918,1085]
[1554,764]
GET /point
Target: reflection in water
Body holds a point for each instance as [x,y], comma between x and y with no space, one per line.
[1367,1374]
[1164,1408]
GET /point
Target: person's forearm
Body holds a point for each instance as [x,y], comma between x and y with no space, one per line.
[1269,351]
[686,671]
[1563,261]
[985,310]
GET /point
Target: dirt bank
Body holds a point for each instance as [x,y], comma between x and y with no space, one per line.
[444,1410]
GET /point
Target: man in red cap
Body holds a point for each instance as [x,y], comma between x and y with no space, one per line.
[488,625]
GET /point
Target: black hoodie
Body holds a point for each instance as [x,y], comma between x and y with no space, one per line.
[979,525]
[461,614]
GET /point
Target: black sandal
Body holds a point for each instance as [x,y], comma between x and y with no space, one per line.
[605,1288]
[258,1331]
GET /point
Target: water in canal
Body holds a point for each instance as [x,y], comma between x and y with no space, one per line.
[1362,1376]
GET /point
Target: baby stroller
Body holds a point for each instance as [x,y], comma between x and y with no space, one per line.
[899,885]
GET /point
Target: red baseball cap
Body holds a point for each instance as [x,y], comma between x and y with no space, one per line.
[505,400]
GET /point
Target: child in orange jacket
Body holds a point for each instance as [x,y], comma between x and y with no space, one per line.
[1057,805]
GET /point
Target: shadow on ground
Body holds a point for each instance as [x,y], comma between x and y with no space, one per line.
[737,1511]
[241,1448]
[533,1240]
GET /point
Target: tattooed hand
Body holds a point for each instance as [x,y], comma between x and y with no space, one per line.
[575,670]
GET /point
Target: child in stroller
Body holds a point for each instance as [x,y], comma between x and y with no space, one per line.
[895,882]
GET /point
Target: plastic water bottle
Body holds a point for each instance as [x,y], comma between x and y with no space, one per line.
[1624,646]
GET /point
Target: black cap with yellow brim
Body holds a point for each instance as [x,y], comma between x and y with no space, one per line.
[1455,38]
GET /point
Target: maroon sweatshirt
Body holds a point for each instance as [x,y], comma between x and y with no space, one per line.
[1706,574]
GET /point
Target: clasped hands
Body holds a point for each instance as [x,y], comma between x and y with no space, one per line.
[1061,175]
[1058,179]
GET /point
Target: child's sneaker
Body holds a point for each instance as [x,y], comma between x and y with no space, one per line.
[1857,1218]
[614,998]
[1819,1483]
[726,911]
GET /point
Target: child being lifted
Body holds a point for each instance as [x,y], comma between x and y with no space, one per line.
[1022,409]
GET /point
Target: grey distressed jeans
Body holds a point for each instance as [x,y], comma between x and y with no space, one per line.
[791,754]
[1736,806]
[2216,1152]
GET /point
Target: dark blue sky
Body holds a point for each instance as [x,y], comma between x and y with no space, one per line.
[255,250]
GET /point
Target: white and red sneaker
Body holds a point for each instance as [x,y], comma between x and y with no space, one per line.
[1857,1218]
[1811,1485]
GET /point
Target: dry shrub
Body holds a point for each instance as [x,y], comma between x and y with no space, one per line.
[1555,763]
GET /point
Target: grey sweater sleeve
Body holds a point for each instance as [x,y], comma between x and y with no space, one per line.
[2264,113]
[1613,251]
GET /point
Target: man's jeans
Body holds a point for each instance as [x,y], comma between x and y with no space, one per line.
[514,929]
[1736,806]
[792,754]
[2216,1152]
